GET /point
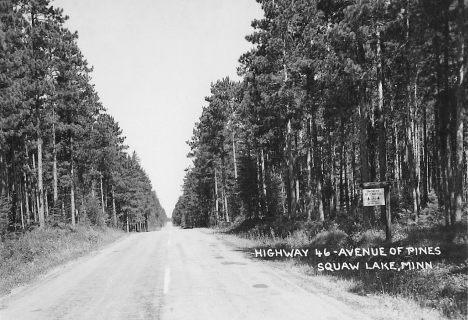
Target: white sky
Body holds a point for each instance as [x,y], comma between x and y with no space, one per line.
[153,62]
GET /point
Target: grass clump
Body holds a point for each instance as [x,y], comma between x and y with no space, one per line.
[32,254]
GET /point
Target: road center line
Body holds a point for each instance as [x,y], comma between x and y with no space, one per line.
[167,279]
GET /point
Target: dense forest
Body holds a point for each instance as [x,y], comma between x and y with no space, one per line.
[62,157]
[336,93]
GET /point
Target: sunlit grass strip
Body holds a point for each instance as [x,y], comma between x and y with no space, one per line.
[40,250]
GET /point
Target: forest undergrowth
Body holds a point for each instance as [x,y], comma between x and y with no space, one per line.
[25,257]
[442,288]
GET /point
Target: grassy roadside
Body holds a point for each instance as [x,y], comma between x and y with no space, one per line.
[40,250]
[437,293]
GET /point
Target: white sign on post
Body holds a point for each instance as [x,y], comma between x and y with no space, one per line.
[373,197]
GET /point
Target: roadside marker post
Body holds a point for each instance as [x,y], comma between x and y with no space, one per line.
[378,194]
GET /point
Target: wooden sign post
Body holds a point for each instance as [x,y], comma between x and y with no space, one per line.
[378,194]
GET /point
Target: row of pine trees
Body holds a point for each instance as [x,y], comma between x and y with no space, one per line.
[62,157]
[335,93]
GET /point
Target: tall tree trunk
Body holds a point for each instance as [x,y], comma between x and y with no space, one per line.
[102,198]
[21,208]
[381,123]
[466,177]
[417,147]
[297,194]
[40,186]
[288,150]
[114,211]
[126,219]
[54,152]
[26,198]
[36,194]
[436,175]
[446,115]
[291,194]
[460,113]
[353,165]
[234,154]
[93,186]
[365,174]
[224,191]
[297,174]
[14,190]
[46,204]
[283,197]
[259,199]
[397,162]
[445,193]
[216,195]
[425,164]
[438,133]
[264,189]
[318,170]
[82,214]
[331,155]
[410,126]
[346,179]
[411,163]
[106,198]
[72,183]
[3,176]
[309,203]
[363,136]
[342,165]
[37,106]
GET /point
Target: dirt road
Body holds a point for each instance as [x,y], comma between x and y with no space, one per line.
[168,274]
